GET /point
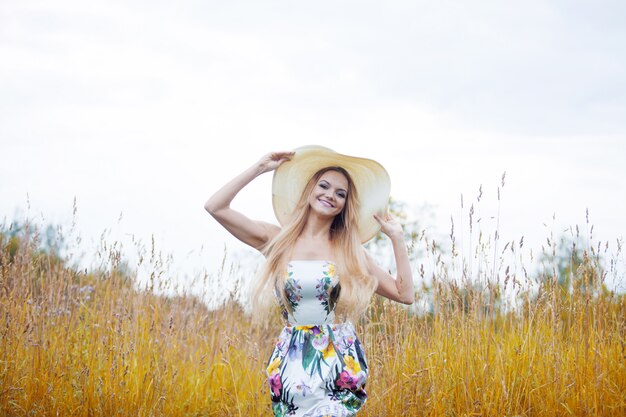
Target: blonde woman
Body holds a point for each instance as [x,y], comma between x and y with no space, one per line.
[319,273]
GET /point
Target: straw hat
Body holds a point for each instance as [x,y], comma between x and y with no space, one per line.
[370,179]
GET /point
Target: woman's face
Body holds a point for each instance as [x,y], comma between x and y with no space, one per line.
[329,195]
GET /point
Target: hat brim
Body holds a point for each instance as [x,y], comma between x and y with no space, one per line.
[370,179]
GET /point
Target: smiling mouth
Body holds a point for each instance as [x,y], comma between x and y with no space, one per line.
[325,203]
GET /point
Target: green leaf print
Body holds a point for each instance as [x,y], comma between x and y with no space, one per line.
[308,353]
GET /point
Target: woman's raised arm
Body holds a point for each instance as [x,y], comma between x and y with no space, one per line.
[400,288]
[252,232]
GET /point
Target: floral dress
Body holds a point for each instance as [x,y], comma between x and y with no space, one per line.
[317,368]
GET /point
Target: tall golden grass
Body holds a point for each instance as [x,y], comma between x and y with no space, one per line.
[89,343]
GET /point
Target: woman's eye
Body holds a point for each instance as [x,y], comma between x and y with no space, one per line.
[324,185]
[341,195]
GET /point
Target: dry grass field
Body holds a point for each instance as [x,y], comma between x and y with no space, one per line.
[90,343]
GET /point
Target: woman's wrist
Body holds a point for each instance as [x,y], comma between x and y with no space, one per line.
[397,236]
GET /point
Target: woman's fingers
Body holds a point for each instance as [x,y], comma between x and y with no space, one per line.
[388,223]
[277,156]
[383,220]
[273,160]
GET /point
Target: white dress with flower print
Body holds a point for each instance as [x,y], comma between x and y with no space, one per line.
[317,368]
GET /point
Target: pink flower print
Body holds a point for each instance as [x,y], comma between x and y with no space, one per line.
[352,376]
[346,380]
[275,384]
[351,382]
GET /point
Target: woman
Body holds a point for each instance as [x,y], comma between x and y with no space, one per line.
[328,204]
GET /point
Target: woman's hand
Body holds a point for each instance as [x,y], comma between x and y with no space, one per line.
[389,225]
[273,160]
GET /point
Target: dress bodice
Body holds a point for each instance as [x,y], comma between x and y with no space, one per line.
[311,289]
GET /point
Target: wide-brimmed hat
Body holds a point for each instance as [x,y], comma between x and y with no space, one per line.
[370,180]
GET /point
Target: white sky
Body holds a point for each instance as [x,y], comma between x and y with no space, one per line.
[146,107]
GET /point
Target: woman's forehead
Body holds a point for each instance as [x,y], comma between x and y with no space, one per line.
[335,178]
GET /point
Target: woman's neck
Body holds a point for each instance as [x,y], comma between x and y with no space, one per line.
[317,228]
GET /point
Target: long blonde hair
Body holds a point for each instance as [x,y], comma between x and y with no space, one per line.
[357,284]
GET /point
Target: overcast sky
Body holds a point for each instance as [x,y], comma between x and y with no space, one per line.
[144,108]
